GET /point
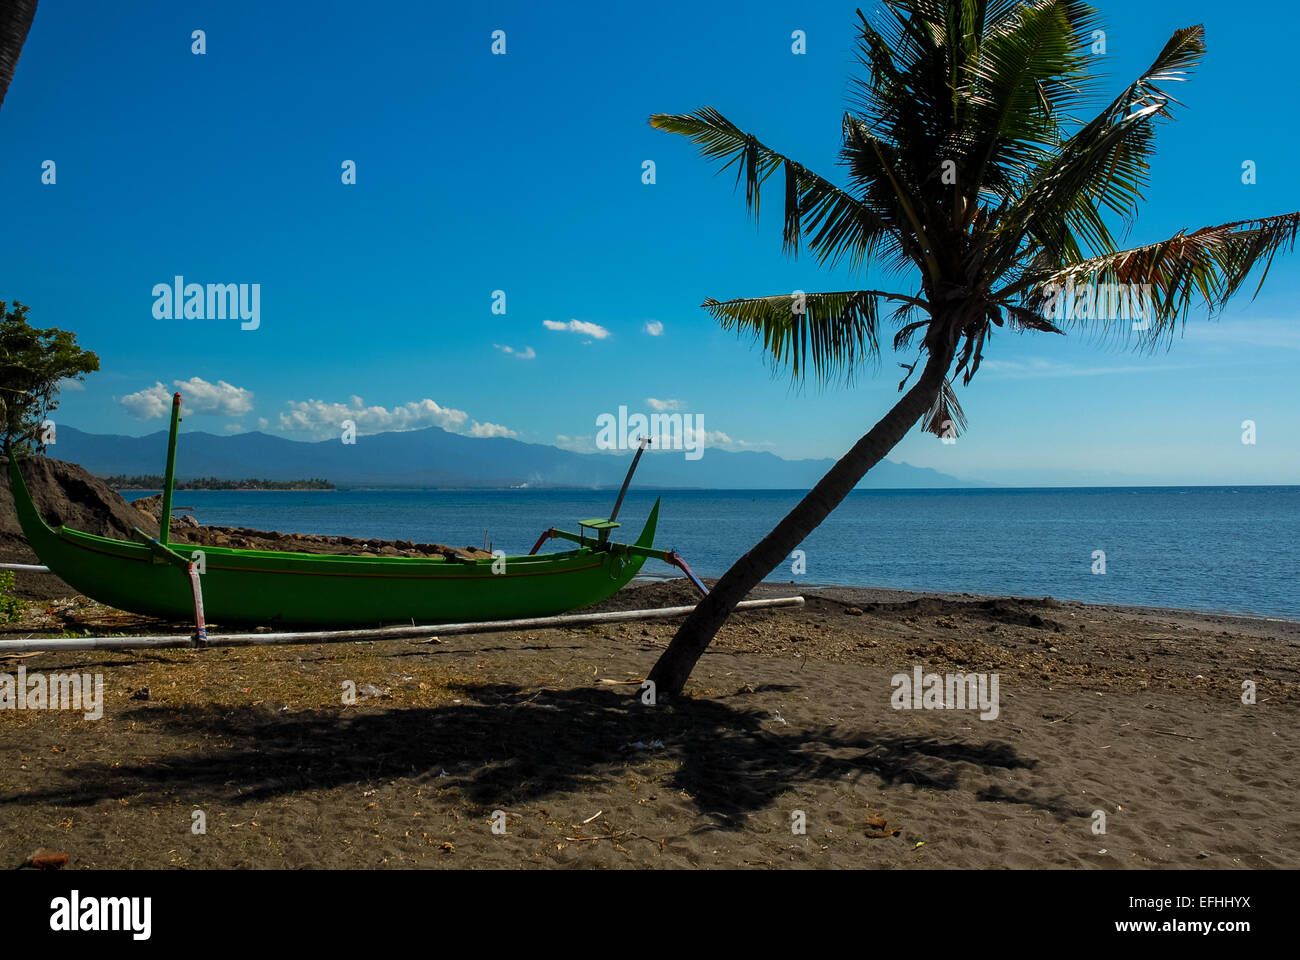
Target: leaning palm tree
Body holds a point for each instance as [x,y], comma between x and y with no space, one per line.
[969,176]
[15,20]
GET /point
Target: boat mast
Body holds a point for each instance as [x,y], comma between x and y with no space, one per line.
[640,449]
[165,521]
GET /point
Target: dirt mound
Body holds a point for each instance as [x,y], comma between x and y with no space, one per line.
[64,493]
[68,494]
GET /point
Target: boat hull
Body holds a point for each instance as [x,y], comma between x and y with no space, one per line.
[262,587]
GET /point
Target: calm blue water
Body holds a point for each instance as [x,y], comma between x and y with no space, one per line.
[1209,548]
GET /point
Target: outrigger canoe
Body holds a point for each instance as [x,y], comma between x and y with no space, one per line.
[153,577]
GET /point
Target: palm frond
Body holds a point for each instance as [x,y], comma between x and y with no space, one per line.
[876,166]
[834,223]
[1023,318]
[827,334]
[1211,264]
[1104,164]
[1030,71]
[945,417]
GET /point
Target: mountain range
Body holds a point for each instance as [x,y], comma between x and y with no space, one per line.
[434,458]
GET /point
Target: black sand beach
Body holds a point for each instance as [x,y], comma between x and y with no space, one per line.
[1136,714]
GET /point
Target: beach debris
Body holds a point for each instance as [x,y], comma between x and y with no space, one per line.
[592,817]
[370,690]
[776,715]
[880,829]
[44,859]
[141,694]
[853,611]
[1174,733]
[918,844]
[642,745]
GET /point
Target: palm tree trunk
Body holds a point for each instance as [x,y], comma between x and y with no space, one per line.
[15,20]
[697,632]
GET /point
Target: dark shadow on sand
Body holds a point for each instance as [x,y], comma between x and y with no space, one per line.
[506,744]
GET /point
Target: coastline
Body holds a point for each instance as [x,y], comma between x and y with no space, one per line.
[871,594]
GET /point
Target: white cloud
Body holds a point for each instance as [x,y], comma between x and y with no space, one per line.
[220,398]
[70,383]
[1037,368]
[527,353]
[200,396]
[1254,333]
[323,420]
[654,328]
[234,428]
[594,330]
[263,424]
[491,430]
[720,440]
[670,442]
[146,404]
[575,444]
[662,405]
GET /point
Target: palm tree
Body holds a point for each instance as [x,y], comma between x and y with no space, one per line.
[15,20]
[968,173]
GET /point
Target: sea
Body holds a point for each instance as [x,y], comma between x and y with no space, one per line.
[1225,549]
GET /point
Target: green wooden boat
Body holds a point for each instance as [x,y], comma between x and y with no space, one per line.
[234,586]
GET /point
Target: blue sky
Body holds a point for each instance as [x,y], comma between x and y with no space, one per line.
[523,173]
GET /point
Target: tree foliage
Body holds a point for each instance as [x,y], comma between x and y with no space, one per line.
[33,363]
[983,166]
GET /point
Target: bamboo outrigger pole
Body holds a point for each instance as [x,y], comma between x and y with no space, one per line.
[35,644]
[165,521]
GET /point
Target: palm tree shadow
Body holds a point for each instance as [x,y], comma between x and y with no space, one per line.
[514,745]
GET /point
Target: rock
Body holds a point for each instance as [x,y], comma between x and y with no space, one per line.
[44,859]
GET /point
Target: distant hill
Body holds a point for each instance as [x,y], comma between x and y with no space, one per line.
[433,458]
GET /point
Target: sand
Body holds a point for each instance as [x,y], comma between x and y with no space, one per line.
[1131,713]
